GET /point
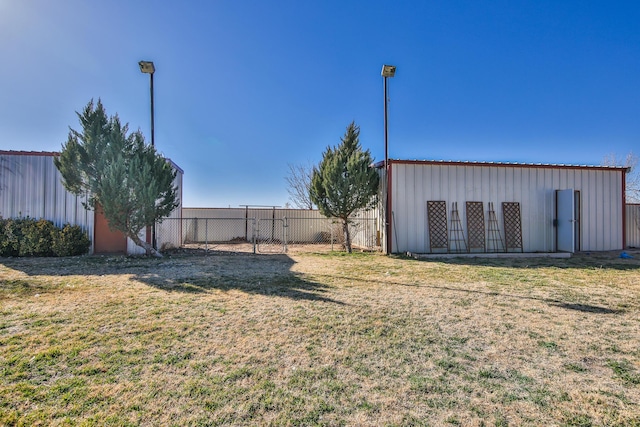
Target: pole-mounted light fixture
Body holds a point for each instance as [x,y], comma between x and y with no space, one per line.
[387,71]
[147,67]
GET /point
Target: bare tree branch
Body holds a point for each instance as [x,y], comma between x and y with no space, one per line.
[632,180]
[7,167]
[299,181]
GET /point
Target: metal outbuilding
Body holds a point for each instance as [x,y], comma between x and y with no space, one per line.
[633,225]
[448,206]
[31,186]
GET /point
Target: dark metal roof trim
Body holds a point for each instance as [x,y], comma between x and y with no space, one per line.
[501,164]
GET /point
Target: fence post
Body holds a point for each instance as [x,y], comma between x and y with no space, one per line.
[253,234]
[285,227]
[195,231]
[246,223]
[331,228]
[206,234]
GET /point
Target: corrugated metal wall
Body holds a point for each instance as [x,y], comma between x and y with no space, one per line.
[633,225]
[414,183]
[30,185]
[167,234]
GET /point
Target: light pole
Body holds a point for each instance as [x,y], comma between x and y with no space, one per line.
[147,67]
[387,71]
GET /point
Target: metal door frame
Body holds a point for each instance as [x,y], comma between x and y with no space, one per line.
[567,211]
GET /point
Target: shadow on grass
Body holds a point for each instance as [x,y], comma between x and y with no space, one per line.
[552,302]
[587,308]
[269,275]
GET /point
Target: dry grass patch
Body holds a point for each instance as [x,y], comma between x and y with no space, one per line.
[319,339]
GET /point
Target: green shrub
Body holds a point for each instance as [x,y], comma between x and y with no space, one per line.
[69,241]
[11,236]
[36,238]
[3,237]
[30,237]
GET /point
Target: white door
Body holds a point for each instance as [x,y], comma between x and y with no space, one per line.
[566,220]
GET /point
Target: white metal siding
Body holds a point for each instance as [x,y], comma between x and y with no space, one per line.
[132,248]
[633,225]
[169,231]
[413,184]
[31,185]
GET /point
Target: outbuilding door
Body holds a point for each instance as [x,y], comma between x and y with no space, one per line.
[106,241]
[567,220]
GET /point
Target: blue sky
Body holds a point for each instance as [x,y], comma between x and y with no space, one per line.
[243,88]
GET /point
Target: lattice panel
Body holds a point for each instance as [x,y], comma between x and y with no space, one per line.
[437,215]
[475,225]
[512,225]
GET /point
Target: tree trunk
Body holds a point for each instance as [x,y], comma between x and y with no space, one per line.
[146,246]
[347,235]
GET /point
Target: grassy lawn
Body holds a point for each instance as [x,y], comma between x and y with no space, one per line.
[320,339]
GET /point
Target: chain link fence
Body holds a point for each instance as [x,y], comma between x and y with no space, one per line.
[266,235]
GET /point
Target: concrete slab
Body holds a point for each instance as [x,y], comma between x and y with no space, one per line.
[493,255]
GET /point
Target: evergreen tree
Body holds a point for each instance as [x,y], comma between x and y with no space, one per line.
[118,171]
[344,182]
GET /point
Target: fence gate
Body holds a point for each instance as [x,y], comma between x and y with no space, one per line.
[271,236]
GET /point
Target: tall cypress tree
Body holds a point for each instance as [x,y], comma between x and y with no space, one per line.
[344,182]
[118,171]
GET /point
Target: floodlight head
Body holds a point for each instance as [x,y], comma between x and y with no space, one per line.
[147,67]
[388,70]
